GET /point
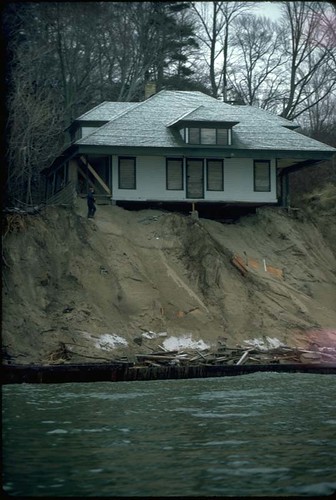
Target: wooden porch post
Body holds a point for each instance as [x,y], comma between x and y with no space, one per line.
[285,195]
[73,173]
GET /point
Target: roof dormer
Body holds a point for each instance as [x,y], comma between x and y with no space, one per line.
[204,126]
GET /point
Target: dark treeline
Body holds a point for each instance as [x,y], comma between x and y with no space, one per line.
[64,58]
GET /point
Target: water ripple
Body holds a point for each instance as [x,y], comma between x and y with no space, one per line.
[264,434]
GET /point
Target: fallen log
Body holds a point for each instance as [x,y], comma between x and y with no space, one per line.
[224,358]
[200,354]
[195,358]
[308,357]
[243,358]
[331,357]
[155,357]
[151,363]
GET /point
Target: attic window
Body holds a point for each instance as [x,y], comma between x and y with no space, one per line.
[194,136]
[208,136]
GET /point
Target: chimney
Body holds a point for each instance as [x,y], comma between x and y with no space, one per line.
[150,89]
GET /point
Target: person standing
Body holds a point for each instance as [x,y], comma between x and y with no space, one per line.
[91,203]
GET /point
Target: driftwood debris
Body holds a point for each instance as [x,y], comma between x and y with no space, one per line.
[243,359]
[236,356]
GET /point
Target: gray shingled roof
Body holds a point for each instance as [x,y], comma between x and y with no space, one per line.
[147,124]
[215,111]
[106,111]
[209,113]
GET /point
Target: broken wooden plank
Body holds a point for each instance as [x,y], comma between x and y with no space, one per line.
[253,263]
[223,358]
[195,358]
[332,357]
[310,357]
[243,358]
[151,363]
[238,262]
[163,353]
[255,359]
[278,273]
[156,357]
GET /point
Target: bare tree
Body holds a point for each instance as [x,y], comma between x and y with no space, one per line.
[124,56]
[256,76]
[319,121]
[34,125]
[34,121]
[75,51]
[231,11]
[215,21]
[142,41]
[326,27]
[309,52]
[211,24]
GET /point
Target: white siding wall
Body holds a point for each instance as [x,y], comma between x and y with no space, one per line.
[151,182]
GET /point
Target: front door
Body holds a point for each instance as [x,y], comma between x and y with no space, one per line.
[195,178]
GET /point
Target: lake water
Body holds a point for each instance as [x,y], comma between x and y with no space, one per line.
[259,434]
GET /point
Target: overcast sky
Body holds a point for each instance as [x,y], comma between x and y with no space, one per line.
[269,9]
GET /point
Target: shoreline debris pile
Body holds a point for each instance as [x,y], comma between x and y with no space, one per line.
[238,355]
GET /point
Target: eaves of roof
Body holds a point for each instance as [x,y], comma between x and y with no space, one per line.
[203,152]
[202,123]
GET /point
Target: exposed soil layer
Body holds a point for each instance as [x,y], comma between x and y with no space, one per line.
[79,290]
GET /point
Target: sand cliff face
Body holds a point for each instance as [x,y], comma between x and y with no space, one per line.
[82,290]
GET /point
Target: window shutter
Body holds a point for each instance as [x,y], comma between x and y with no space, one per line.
[127,173]
[175,173]
[215,180]
[262,176]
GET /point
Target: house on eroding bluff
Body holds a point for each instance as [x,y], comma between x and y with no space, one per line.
[179,146]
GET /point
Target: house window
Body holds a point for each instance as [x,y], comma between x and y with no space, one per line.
[262,175]
[222,136]
[215,177]
[194,136]
[127,173]
[208,136]
[211,136]
[174,173]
